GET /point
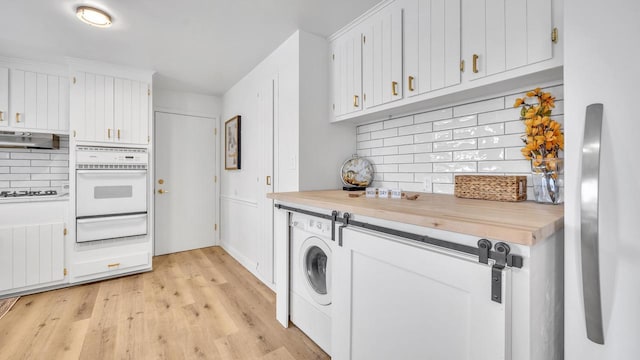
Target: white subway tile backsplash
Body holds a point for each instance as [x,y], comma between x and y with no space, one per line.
[465,144]
[504,166]
[482,138]
[508,114]
[370,144]
[433,157]
[433,136]
[443,189]
[378,168]
[479,107]
[407,177]
[464,121]
[398,159]
[30,156]
[415,168]
[15,162]
[433,116]
[369,127]
[396,123]
[478,131]
[416,129]
[500,141]
[461,166]
[415,148]
[400,140]
[479,155]
[34,169]
[384,151]
[384,134]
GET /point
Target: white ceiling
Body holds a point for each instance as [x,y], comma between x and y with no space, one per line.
[202,46]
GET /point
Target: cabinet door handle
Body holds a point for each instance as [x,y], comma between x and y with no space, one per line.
[475,63]
[269,180]
[1,115]
[118,134]
[394,88]
[356,103]
[17,117]
[109,133]
[411,88]
[113,265]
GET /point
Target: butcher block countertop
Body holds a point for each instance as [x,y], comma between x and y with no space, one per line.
[516,222]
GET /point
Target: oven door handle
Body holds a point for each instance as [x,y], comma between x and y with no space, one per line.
[111,171]
[110,218]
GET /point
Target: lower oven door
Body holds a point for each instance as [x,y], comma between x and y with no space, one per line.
[108,192]
[110,227]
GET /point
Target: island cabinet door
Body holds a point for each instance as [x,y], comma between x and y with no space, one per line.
[393,299]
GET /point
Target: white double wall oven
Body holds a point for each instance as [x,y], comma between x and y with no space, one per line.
[111,193]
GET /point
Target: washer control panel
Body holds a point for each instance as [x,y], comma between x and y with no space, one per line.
[312,224]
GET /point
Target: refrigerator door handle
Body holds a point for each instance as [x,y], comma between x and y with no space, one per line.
[589,223]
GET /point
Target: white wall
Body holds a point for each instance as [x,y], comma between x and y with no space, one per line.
[186,103]
[308,150]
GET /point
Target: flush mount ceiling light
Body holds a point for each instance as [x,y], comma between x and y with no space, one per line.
[94,17]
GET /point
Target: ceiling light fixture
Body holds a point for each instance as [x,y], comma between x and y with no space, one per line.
[94,17]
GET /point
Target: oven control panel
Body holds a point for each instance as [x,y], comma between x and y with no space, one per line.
[87,157]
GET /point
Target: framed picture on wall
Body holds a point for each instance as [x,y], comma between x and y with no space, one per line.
[232,143]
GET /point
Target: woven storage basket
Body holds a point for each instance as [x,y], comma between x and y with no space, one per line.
[499,188]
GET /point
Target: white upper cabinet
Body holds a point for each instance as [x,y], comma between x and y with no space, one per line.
[4,97]
[347,73]
[501,35]
[37,101]
[431,45]
[110,109]
[382,57]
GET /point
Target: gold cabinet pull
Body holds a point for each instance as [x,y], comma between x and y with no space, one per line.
[554,35]
[356,103]
[475,63]
[411,88]
[269,180]
[461,65]
[109,133]
[118,134]
[113,265]
[1,115]
[394,88]
[17,117]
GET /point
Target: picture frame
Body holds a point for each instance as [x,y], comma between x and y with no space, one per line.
[232,144]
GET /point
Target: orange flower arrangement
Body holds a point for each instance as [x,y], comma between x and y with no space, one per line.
[543,137]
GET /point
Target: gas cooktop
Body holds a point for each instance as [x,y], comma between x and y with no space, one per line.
[13,194]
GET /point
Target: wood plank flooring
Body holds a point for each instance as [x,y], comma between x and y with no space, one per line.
[200,304]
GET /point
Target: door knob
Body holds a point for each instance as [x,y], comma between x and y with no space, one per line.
[162,191]
[161,181]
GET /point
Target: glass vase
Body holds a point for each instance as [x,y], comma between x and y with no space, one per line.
[548,180]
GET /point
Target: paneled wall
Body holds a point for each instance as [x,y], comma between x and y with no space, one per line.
[424,151]
[34,169]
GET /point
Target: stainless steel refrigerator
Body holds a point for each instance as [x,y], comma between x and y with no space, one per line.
[602,208]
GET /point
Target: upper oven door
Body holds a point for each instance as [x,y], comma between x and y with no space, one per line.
[110,192]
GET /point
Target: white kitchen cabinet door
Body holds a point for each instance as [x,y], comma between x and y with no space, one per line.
[396,300]
[539,28]
[432,45]
[474,39]
[31,255]
[347,73]
[93,102]
[382,57]
[38,101]
[131,112]
[4,97]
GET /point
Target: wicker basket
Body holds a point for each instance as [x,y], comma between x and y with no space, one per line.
[498,188]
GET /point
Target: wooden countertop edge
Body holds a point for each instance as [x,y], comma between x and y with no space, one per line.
[495,231]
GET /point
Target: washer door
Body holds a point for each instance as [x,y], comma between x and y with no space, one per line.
[316,268]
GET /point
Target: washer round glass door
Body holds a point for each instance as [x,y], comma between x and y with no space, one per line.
[316,267]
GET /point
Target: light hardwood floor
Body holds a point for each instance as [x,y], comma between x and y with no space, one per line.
[200,304]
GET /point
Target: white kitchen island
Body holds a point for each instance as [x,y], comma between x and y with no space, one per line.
[409,280]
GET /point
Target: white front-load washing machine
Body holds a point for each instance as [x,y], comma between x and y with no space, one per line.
[310,271]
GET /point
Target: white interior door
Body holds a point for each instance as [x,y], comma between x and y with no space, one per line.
[184,182]
[267,110]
